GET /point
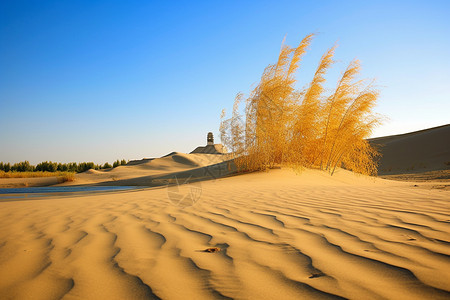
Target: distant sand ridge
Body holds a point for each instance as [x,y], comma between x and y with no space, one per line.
[416,152]
[154,172]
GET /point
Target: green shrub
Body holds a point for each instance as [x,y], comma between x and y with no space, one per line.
[116,164]
[23,166]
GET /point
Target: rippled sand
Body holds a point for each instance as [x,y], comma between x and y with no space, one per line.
[282,235]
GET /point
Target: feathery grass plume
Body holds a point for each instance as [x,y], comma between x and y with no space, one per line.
[303,128]
[358,156]
[268,110]
[223,129]
[232,132]
[336,104]
[309,113]
[355,126]
[237,129]
[352,114]
[298,53]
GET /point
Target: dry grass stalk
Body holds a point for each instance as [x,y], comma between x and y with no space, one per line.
[64,176]
[303,128]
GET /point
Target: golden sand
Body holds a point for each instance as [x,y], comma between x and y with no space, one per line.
[281,236]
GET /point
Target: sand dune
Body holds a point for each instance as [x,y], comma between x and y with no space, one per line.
[282,235]
[145,172]
[156,172]
[415,152]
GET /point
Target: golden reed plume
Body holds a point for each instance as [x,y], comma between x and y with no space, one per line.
[303,128]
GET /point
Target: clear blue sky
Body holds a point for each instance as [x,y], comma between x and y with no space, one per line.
[101,80]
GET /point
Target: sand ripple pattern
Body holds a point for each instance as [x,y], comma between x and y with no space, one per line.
[279,240]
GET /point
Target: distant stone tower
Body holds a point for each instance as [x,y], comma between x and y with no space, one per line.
[210,139]
[210,147]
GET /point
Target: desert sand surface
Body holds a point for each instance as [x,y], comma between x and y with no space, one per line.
[282,235]
[28,182]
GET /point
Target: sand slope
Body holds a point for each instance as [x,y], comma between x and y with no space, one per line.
[154,172]
[145,172]
[282,236]
[414,152]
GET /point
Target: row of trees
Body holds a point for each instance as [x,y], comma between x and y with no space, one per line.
[306,127]
[50,166]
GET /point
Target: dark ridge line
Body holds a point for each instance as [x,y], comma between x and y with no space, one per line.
[147,289]
[430,252]
[209,286]
[203,273]
[310,264]
[173,219]
[274,217]
[406,272]
[208,236]
[70,287]
[83,235]
[245,223]
[419,225]
[383,252]
[223,246]
[292,216]
[67,224]
[313,204]
[233,229]
[68,252]
[298,284]
[329,213]
[238,231]
[160,235]
[446,243]
[410,231]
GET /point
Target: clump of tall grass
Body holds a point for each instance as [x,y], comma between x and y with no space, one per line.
[64,176]
[282,125]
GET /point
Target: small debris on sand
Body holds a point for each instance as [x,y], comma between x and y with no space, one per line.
[212,250]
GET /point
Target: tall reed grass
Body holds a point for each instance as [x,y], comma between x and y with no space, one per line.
[62,176]
[282,125]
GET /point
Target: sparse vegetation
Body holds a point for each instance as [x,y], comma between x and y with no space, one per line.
[304,128]
[48,169]
[116,164]
[119,163]
[66,176]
